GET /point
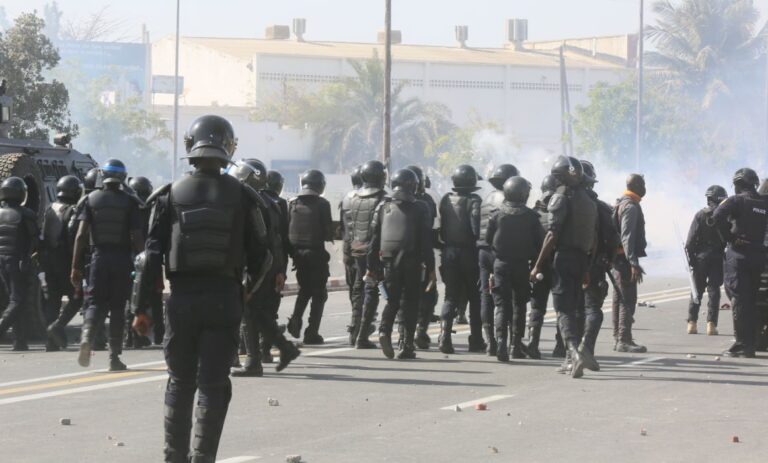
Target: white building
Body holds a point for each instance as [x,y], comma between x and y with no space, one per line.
[517,86]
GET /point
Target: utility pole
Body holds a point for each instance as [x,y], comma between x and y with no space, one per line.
[176,98]
[387,159]
[639,129]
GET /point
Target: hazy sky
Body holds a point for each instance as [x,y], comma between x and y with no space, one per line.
[421,21]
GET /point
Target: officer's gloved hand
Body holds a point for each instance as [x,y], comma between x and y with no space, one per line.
[636,275]
[141,324]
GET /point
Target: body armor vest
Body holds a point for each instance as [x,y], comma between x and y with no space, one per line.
[56,229]
[111,211]
[750,224]
[455,220]
[305,222]
[709,238]
[398,228]
[491,204]
[11,227]
[207,227]
[580,227]
[274,217]
[516,233]
[359,220]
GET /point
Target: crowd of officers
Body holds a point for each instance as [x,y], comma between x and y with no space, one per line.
[224,237]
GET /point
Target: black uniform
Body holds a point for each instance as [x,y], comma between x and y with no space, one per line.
[18,240]
[706,251]
[309,227]
[112,217]
[459,212]
[428,298]
[741,220]
[360,219]
[401,251]
[515,235]
[350,268]
[541,288]
[56,252]
[490,205]
[206,229]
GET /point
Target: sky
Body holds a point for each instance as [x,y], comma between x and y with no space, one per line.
[421,21]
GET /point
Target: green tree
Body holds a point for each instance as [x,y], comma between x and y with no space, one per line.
[346,118]
[40,105]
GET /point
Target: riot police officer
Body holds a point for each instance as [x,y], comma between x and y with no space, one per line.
[400,251]
[629,221]
[359,220]
[705,249]
[742,220]
[207,228]
[541,287]
[111,223]
[572,238]
[260,316]
[56,253]
[429,295]
[490,205]
[459,212]
[596,289]
[18,241]
[515,236]
[349,263]
[309,227]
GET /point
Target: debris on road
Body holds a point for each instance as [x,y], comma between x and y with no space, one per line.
[119,444]
[642,304]
[735,439]
[717,359]
[493,449]
[273,402]
[643,432]
[691,356]
[293,459]
[456,408]
[65,421]
[481,407]
[725,307]
[651,306]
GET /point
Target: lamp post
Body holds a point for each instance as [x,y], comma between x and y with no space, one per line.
[639,128]
[176,98]
[387,84]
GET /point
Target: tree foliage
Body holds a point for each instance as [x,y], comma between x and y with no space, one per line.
[26,56]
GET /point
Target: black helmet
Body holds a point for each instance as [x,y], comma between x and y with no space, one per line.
[69,188]
[589,176]
[500,175]
[373,174]
[312,182]
[567,170]
[90,179]
[252,172]
[465,178]
[113,171]
[517,189]
[210,136]
[716,194]
[745,177]
[419,174]
[13,190]
[548,184]
[356,178]
[275,182]
[142,186]
[405,180]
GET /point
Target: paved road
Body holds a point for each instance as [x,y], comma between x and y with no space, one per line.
[336,404]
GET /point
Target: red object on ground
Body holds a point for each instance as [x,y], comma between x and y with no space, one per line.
[481,407]
[735,439]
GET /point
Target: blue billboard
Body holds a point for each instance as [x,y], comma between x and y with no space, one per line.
[124,63]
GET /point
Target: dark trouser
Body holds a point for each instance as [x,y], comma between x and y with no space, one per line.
[707,274]
[485,258]
[594,297]
[370,292]
[350,276]
[14,282]
[58,287]
[540,298]
[201,338]
[568,271]
[262,308]
[427,303]
[312,275]
[459,268]
[108,290]
[511,293]
[742,280]
[624,306]
[402,280]
[360,293]
[155,300]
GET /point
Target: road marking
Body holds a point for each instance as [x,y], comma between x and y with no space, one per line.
[238,459]
[472,403]
[641,362]
[76,374]
[77,390]
[70,382]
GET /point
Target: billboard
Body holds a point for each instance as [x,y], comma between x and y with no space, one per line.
[125,63]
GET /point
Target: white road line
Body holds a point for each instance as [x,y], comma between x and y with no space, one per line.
[77,390]
[239,459]
[483,400]
[641,362]
[73,375]
[672,299]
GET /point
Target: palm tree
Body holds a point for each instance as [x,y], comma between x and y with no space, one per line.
[707,48]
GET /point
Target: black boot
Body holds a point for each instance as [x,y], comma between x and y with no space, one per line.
[252,366]
[518,348]
[178,425]
[408,351]
[444,342]
[533,345]
[288,353]
[86,338]
[354,330]
[567,364]
[57,334]
[502,354]
[400,336]
[489,334]
[208,425]
[312,333]
[422,338]
[363,341]
[115,349]
[265,344]
[559,350]
[385,341]
[589,359]
[580,360]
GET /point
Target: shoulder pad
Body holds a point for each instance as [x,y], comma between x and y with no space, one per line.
[254,195]
[556,201]
[163,190]
[27,213]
